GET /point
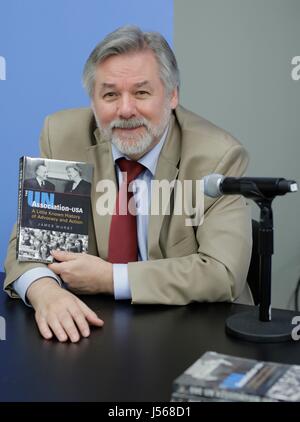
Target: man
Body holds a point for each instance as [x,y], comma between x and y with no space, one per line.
[76,183]
[39,182]
[132,78]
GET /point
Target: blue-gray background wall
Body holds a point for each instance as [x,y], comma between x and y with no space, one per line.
[235,60]
[43,45]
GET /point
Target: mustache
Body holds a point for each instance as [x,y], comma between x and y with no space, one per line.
[129,123]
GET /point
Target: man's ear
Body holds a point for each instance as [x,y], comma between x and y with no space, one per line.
[174,99]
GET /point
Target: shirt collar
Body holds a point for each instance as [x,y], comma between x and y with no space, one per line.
[148,160]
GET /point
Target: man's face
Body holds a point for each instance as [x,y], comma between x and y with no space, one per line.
[72,173]
[130,103]
[41,172]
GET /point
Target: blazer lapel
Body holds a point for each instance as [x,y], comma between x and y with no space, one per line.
[100,155]
[166,170]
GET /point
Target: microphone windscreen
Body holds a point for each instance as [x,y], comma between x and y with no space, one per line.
[212,185]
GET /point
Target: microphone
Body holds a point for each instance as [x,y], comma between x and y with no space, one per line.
[216,185]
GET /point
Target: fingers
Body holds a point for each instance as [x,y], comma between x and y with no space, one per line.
[60,267]
[90,315]
[43,327]
[58,329]
[64,256]
[64,328]
[69,324]
[57,268]
[81,322]
[60,313]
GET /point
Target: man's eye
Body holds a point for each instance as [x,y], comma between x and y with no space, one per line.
[109,95]
[142,93]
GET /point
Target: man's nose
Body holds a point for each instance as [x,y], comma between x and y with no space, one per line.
[126,107]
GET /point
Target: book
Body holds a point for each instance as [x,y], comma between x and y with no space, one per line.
[219,377]
[53,207]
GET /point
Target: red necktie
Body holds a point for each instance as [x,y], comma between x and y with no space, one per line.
[123,245]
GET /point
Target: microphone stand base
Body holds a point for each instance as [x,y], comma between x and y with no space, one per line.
[247,326]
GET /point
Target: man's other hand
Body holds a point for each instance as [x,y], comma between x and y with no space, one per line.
[59,312]
[83,273]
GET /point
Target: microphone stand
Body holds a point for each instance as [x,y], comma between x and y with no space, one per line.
[262,324]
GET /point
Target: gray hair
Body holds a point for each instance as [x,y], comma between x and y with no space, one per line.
[132,39]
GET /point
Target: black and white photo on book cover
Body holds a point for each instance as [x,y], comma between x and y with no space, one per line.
[220,377]
[53,207]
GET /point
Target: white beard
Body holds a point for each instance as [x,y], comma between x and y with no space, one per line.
[137,144]
[133,146]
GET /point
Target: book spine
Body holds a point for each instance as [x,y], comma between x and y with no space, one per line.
[218,394]
[177,397]
[20,196]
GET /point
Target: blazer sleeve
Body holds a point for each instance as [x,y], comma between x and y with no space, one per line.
[13,268]
[217,270]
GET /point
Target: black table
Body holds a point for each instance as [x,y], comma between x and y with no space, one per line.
[134,357]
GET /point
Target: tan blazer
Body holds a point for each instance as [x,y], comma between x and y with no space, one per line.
[205,263]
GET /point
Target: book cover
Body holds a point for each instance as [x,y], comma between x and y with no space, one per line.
[219,377]
[53,207]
